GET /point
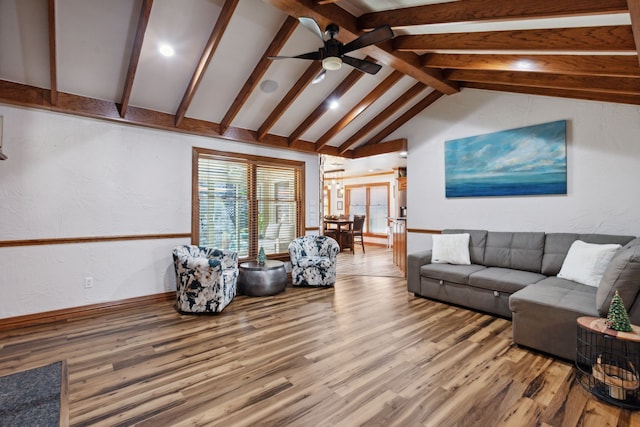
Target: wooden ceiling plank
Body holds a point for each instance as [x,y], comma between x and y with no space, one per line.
[337,93]
[408,115]
[208,52]
[383,116]
[488,10]
[615,38]
[381,148]
[53,67]
[286,30]
[405,62]
[296,90]
[634,13]
[143,21]
[622,85]
[596,65]
[359,108]
[561,93]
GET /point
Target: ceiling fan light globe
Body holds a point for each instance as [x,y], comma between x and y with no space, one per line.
[332,63]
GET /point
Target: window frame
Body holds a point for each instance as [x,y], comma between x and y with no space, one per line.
[253,162]
[367,187]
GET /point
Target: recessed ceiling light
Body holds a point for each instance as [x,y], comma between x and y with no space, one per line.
[166,49]
[334,104]
[403,154]
[268,86]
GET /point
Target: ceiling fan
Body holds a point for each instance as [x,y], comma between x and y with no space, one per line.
[333,52]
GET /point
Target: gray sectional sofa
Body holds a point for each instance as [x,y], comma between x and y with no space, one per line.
[514,275]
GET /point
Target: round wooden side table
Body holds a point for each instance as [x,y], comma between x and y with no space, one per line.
[261,280]
[607,362]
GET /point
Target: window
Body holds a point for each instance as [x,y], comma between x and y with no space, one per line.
[243,202]
[371,200]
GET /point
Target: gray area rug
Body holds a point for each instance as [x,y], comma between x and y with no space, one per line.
[31,398]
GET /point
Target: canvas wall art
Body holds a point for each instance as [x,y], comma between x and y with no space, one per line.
[530,160]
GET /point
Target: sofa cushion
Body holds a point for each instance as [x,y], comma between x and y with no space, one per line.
[559,294]
[451,273]
[520,251]
[477,243]
[557,245]
[450,249]
[585,262]
[634,242]
[503,279]
[622,275]
[544,315]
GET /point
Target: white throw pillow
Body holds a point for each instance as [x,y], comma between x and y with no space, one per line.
[585,262]
[450,249]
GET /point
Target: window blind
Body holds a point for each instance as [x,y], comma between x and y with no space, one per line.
[247,202]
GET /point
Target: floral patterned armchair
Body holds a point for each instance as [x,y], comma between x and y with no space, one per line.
[205,278]
[313,260]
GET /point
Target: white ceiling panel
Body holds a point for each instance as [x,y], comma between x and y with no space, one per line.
[18,19]
[235,59]
[94,39]
[161,81]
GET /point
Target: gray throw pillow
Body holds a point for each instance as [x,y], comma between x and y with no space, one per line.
[622,275]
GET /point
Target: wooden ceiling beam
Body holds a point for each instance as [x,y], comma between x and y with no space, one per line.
[296,90]
[595,65]
[615,38]
[209,49]
[53,65]
[558,93]
[382,117]
[488,10]
[337,93]
[359,108]
[623,85]
[141,30]
[405,62]
[277,43]
[393,146]
[33,97]
[405,117]
[634,13]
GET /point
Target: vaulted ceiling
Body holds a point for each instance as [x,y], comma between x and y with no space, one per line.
[100,59]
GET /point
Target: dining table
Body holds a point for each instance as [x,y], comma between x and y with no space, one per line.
[343,228]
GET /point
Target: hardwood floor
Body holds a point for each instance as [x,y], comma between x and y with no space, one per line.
[365,352]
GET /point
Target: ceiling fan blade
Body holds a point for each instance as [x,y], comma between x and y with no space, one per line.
[311,25]
[377,35]
[361,64]
[320,77]
[310,55]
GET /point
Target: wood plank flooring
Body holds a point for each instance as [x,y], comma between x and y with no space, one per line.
[365,352]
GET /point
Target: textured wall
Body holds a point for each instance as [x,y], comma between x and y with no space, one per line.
[603,161]
[74,177]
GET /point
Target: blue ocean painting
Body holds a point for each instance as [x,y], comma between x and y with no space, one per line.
[526,161]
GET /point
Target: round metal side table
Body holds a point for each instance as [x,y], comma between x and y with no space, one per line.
[261,280]
[607,362]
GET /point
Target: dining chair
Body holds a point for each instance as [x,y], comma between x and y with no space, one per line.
[356,231]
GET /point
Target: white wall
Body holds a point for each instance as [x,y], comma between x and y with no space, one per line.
[603,161]
[69,177]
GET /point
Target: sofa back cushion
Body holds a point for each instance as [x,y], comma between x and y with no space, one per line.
[557,245]
[519,250]
[621,275]
[477,243]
